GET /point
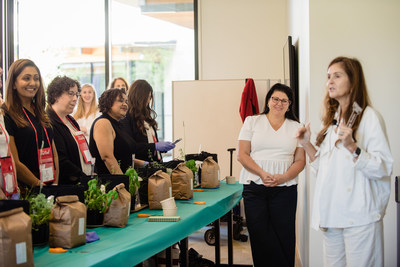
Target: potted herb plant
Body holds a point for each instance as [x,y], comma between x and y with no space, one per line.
[152,167]
[39,211]
[191,164]
[97,201]
[134,185]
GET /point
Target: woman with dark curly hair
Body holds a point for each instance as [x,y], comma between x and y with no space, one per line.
[31,135]
[73,151]
[109,143]
[141,124]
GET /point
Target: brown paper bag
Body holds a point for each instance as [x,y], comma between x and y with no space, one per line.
[209,173]
[159,189]
[67,225]
[117,214]
[15,238]
[182,182]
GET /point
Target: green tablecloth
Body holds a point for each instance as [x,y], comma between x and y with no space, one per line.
[141,239]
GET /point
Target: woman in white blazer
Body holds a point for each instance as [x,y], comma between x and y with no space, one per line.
[353,164]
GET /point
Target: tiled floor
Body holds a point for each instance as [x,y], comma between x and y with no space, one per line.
[241,250]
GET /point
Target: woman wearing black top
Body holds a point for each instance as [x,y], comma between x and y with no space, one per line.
[31,135]
[73,151]
[109,143]
[140,122]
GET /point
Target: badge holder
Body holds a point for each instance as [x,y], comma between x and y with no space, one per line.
[9,180]
[7,171]
[83,146]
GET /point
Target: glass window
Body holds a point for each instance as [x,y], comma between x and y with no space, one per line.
[154,41]
[151,40]
[62,38]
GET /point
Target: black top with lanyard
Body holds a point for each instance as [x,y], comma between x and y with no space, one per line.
[45,154]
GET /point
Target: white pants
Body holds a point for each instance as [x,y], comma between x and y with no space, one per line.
[354,246]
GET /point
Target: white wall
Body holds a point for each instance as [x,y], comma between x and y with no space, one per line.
[203,126]
[368,30]
[241,39]
[298,24]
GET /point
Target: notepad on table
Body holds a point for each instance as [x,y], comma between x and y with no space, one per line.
[164,218]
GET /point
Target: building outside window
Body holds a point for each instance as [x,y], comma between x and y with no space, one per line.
[151,40]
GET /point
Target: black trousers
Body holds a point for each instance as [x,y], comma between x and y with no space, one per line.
[270,217]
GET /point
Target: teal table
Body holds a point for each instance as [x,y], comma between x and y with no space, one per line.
[141,239]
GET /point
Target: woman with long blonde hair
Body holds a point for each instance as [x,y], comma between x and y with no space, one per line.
[87,109]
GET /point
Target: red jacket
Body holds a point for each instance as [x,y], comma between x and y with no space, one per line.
[249,102]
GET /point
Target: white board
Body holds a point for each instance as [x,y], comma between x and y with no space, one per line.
[206,115]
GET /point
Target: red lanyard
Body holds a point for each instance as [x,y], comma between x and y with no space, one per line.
[81,142]
[157,152]
[73,125]
[37,144]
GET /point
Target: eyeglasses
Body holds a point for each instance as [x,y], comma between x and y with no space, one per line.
[72,94]
[121,100]
[283,101]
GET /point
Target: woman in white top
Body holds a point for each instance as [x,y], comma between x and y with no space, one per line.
[353,163]
[272,159]
[87,109]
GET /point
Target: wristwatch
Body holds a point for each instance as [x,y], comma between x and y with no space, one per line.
[357,152]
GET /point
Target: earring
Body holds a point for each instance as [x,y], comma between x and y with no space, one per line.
[287,109]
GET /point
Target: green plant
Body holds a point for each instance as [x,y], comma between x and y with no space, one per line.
[152,163]
[191,164]
[134,180]
[96,198]
[39,209]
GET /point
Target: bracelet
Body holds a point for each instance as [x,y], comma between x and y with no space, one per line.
[356,152]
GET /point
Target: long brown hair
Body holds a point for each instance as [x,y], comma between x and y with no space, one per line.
[358,93]
[80,109]
[138,108]
[13,104]
[112,84]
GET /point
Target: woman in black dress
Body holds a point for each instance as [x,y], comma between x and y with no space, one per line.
[73,151]
[109,143]
[31,135]
[141,123]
